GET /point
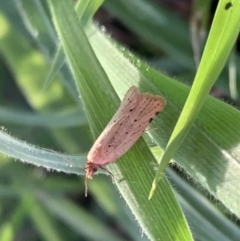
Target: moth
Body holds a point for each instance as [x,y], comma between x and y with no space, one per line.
[132,118]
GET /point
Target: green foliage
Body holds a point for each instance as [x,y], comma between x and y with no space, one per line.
[41,82]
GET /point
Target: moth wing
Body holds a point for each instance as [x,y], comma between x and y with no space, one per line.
[101,151]
[131,125]
[128,103]
[149,107]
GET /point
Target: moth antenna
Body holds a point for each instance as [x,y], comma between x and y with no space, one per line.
[69,161]
[86,186]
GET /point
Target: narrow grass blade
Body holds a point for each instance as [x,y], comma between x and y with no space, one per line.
[222,37]
[100,102]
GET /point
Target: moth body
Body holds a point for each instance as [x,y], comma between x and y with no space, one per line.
[132,118]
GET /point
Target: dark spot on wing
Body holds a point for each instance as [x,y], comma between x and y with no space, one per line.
[135,120]
[150,120]
[157,113]
[131,110]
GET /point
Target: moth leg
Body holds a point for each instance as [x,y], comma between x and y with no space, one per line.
[106,170]
[152,129]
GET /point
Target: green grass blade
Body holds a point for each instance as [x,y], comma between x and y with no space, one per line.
[155,25]
[77,218]
[208,222]
[41,219]
[101,102]
[222,37]
[210,152]
[40,157]
[85,11]
[68,118]
[109,200]
[214,137]
[36,18]
[10,226]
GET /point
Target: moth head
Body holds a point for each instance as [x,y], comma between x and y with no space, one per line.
[90,169]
